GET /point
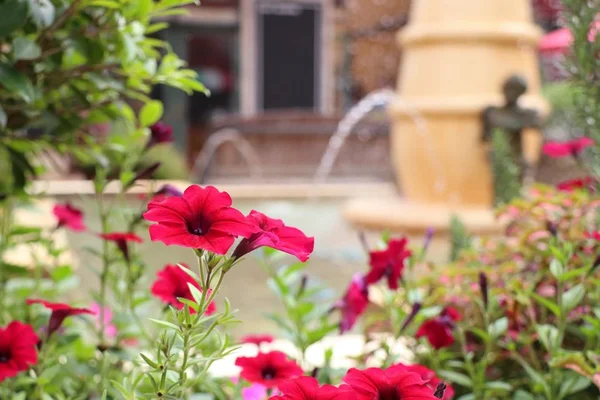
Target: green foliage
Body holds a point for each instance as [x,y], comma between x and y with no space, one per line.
[583,64]
[505,170]
[305,320]
[459,237]
[69,65]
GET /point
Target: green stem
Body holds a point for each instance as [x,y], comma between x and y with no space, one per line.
[4,231]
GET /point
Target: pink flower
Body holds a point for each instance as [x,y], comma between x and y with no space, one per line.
[110,330]
[572,147]
[254,392]
[69,216]
[273,233]
[354,302]
[257,339]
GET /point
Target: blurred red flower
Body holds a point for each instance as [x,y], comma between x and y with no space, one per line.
[394,383]
[69,216]
[273,233]
[354,302]
[160,133]
[201,219]
[257,339]
[438,330]
[581,183]
[572,147]
[121,239]
[172,283]
[388,263]
[60,311]
[269,369]
[307,388]
[593,235]
[431,378]
[18,349]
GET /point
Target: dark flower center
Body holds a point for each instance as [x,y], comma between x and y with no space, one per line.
[198,227]
[5,356]
[388,393]
[268,373]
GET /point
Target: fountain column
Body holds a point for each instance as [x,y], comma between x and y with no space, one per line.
[455,59]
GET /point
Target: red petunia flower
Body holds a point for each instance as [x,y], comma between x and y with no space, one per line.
[581,183]
[172,283]
[593,235]
[69,216]
[201,219]
[60,311]
[569,148]
[431,378]
[269,369]
[18,349]
[388,263]
[122,239]
[307,388]
[160,133]
[257,339]
[438,330]
[273,233]
[394,383]
[354,302]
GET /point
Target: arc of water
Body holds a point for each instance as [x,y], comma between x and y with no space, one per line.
[215,141]
[370,102]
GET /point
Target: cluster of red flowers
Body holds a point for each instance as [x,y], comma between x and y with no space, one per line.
[388,264]
[385,264]
[19,342]
[275,370]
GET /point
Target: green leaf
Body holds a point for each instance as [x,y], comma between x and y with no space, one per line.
[574,273]
[546,303]
[42,13]
[25,49]
[533,374]
[3,118]
[572,297]
[196,293]
[456,377]
[164,323]
[523,395]
[556,268]
[61,273]
[105,3]
[16,82]
[498,386]
[548,335]
[498,328]
[572,385]
[15,270]
[151,113]
[14,15]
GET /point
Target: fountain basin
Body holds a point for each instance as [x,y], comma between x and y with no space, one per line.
[410,218]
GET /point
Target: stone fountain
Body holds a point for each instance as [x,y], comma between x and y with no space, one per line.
[455,62]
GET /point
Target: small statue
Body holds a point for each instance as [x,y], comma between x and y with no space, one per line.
[522,125]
